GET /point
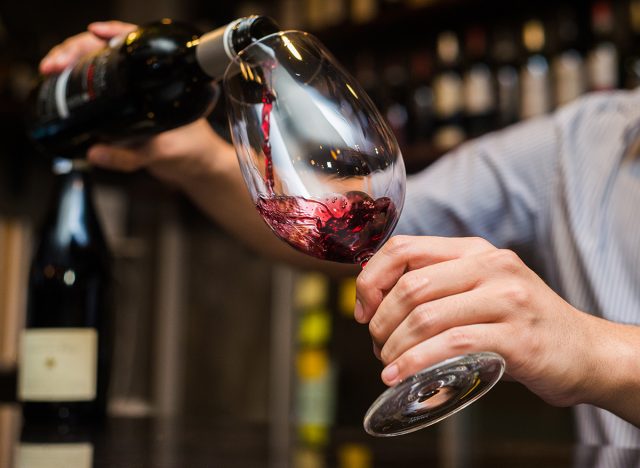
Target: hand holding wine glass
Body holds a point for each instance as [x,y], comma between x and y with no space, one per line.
[327,176]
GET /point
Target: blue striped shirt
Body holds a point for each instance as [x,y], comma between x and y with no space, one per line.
[562,190]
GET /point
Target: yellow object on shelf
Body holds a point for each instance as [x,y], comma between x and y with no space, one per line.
[312,290]
[347,297]
[315,327]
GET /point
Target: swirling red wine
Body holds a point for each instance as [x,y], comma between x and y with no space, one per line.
[343,228]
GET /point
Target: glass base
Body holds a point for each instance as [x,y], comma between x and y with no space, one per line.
[433,394]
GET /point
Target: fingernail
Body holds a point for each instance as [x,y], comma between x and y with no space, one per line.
[390,374]
[358,311]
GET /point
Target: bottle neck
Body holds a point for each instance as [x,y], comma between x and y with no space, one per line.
[215,49]
[74,217]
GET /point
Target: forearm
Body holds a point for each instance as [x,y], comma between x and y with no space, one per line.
[615,363]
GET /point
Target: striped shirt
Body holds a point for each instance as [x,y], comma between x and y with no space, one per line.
[562,190]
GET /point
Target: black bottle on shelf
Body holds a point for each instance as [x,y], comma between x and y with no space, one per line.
[603,60]
[567,65]
[421,97]
[505,54]
[65,348]
[156,78]
[478,80]
[448,94]
[632,56]
[394,104]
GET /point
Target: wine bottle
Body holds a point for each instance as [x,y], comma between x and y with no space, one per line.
[535,77]
[504,53]
[448,94]
[421,97]
[567,65]
[632,58]
[603,59]
[154,79]
[395,79]
[479,90]
[65,347]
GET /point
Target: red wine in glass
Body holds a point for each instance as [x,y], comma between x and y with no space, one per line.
[343,228]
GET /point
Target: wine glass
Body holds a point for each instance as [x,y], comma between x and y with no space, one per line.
[326,174]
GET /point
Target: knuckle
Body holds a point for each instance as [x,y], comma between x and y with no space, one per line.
[421,319]
[387,354]
[480,244]
[505,260]
[396,244]
[409,285]
[376,330]
[459,340]
[517,294]
[363,282]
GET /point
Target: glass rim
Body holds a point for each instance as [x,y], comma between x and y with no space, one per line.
[239,56]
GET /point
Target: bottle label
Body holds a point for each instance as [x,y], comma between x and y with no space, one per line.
[447,91]
[536,95]
[603,67]
[448,136]
[58,364]
[90,79]
[478,90]
[72,455]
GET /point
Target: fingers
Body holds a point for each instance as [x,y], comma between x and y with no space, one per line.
[401,254]
[453,342]
[422,286]
[431,318]
[117,158]
[68,52]
[108,29]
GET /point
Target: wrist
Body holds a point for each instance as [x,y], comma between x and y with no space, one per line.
[614,379]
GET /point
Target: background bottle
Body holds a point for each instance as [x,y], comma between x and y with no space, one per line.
[479,90]
[65,347]
[421,97]
[534,76]
[632,59]
[567,64]
[448,94]
[156,78]
[603,59]
[504,54]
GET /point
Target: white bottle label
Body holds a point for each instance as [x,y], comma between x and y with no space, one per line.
[478,90]
[568,71]
[58,364]
[536,94]
[447,91]
[78,455]
[603,67]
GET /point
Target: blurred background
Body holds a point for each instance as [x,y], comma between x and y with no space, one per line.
[206,328]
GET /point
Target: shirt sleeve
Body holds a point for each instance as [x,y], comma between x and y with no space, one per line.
[496,187]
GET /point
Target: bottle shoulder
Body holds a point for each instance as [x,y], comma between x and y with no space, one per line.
[159,51]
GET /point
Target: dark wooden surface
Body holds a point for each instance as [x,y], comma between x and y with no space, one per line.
[181,443]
